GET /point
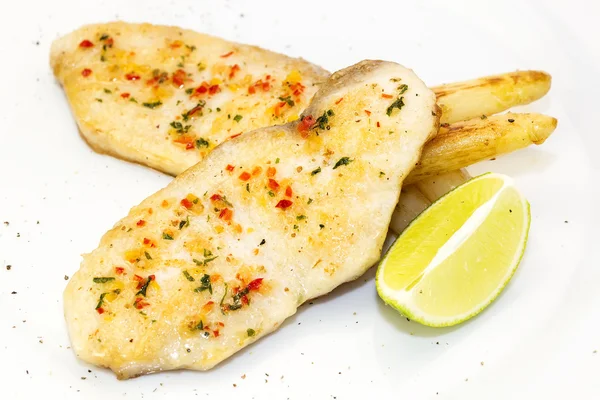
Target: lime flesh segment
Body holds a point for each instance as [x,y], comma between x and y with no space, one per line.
[457,256]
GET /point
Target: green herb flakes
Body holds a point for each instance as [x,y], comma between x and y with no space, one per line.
[342,161]
[188,276]
[153,105]
[399,103]
[103,279]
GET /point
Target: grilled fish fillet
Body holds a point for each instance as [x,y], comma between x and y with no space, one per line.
[231,247]
[165,96]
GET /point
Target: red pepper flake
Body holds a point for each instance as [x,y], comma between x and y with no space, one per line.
[176,44]
[141,222]
[339,100]
[110,41]
[245,300]
[216,197]
[86,72]
[255,284]
[194,110]
[245,176]
[125,95]
[297,89]
[226,214]
[100,310]
[187,204]
[305,124]
[288,191]
[368,112]
[86,44]
[227,54]
[235,68]
[251,90]
[185,139]
[222,325]
[387,96]
[229,167]
[271,171]
[216,333]
[214,89]
[179,77]
[152,278]
[189,146]
[119,270]
[273,185]
[139,280]
[283,204]
[378,124]
[202,89]
[132,77]
[234,136]
[266,86]
[139,303]
[256,171]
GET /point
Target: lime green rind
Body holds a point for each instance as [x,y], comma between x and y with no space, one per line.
[445,322]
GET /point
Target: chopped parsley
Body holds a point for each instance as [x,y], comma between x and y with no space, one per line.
[381,173]
[316,171]
[300,217]
[323,121]
[99,100]
[309,201]
[101,300]
[148,256]
[201,66]
[248,187]
[132,99]
[402,88]
[270,193]
[262,242]
[288,100]
[184,223]
[191,48]
[144,288]
[250,332]
[189,90]
[202,143]
[107,91]
[205,284]
[237,118]
[166,236]
[104,36]
[342,161]
[188,276]
[399,103]
[179,127]
[277,160]
[200,325]
[103,279]
[321,226]
[153,105]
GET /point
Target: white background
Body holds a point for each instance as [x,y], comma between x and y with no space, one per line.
[538,340]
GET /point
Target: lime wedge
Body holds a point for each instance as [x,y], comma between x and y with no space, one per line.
[455,258]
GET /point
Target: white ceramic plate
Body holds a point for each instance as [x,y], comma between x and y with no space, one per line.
[538,340]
